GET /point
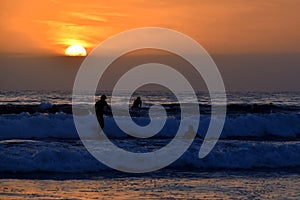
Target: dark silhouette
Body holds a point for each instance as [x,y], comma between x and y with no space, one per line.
[99,110]
[53,109]
[137,103]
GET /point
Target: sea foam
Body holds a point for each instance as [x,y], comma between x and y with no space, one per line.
[61,126]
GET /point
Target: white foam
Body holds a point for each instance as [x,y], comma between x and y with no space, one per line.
[41,156]
[61,125]
[45,105]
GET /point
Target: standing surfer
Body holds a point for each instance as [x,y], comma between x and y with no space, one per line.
[100,108]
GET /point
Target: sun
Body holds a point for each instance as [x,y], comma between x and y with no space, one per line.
[75,50]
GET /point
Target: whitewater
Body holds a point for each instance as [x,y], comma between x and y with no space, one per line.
[37,133]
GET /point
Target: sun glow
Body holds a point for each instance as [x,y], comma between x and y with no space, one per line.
[75,50]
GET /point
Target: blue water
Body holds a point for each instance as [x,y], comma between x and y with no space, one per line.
[262,131]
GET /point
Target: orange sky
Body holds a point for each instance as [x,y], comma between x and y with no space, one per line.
[222,27]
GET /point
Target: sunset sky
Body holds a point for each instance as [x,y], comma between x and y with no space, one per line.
[231,27]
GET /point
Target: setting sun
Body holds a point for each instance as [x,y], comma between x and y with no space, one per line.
[75,50]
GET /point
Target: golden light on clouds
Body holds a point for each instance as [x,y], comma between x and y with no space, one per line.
[222,27]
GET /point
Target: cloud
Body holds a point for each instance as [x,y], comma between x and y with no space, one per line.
[86,16]
[234,26]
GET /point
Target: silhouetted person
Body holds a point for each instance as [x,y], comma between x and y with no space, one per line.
[99,110]
[137,103]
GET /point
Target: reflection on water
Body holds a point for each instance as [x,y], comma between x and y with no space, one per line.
[170,185]
[149,97]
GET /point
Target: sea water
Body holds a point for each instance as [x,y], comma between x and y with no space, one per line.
[257,156]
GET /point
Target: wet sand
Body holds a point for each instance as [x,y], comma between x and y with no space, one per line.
[166,184]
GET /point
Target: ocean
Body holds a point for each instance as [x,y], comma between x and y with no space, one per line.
[256,157]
